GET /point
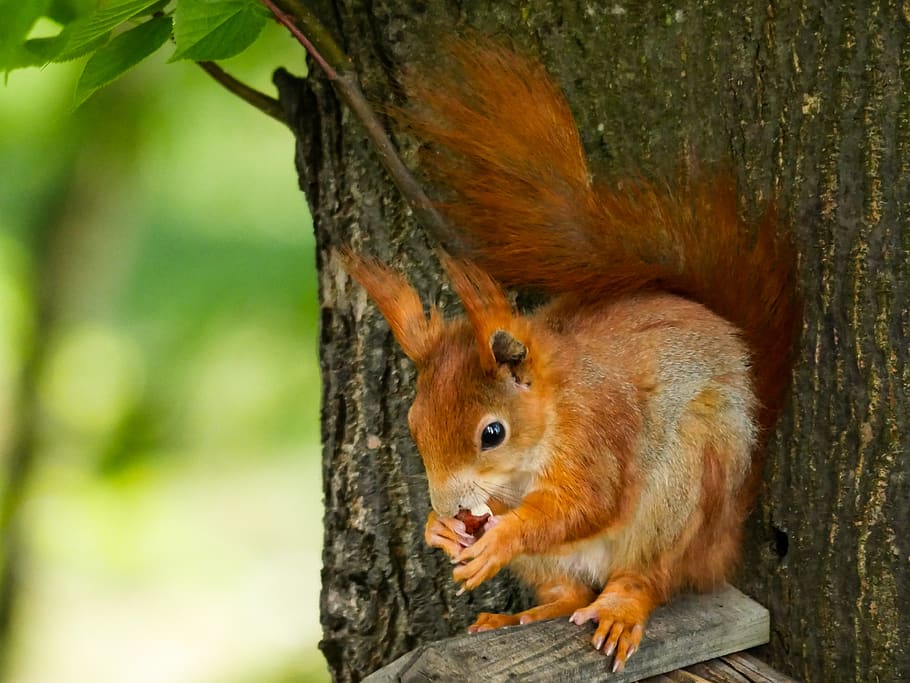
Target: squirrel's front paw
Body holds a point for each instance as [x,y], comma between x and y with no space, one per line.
[620,624]
[446,533]
[483,560]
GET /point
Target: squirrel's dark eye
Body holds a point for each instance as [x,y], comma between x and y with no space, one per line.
[492,435]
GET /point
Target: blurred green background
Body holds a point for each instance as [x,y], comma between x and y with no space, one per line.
[158,372]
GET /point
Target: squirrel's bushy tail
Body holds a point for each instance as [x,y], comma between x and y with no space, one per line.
[503,144]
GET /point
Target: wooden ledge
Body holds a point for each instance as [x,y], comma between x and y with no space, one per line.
[691,629]
[739,667]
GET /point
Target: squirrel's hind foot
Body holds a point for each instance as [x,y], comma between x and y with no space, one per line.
[620,612]
[570,601]
[487,621]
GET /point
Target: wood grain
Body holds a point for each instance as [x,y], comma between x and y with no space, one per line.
[754,669]
[720,671]
[688,630]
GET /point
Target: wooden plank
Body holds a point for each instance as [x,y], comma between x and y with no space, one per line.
[748,669]
[678,676]
[718,671]
[755,669]
[691,629]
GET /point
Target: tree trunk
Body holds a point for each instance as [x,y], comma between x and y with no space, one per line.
[809,103]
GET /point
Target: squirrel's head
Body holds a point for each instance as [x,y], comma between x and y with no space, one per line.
[481,411]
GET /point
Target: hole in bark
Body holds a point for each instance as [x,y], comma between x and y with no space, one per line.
[781,542]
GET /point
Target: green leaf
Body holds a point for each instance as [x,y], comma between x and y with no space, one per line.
[159,6]
[65,11]
[34,52]
[216,29]
[16,19]
[30,53]
[88,33]
[121,54]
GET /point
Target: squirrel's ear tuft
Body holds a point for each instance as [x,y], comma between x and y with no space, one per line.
[399,304]
[507,350]
[485,304]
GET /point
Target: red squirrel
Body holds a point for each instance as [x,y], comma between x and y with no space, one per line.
[606,446]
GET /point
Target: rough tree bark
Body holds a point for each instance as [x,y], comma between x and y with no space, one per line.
[810,103]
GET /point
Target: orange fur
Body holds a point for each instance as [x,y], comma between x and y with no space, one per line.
[521,195]
[485,304]
[633,405]
[400,306]
[558,597]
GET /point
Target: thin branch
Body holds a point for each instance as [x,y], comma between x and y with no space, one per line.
[262,102]
[317,40]
[303,25]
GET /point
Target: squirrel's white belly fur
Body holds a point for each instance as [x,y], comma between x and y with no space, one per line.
[589,561]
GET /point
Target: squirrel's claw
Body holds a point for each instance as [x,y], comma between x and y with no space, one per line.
[448,534]
[619,631]
[474,572]
[483,559]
